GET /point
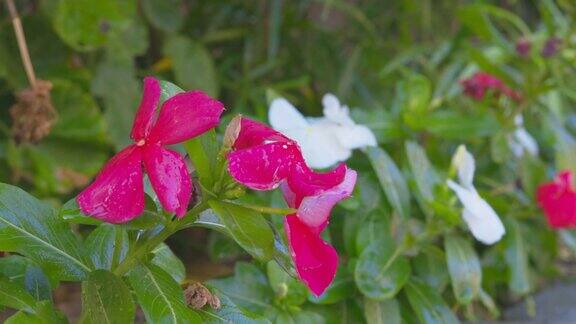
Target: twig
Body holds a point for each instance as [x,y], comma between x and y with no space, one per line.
[22,46]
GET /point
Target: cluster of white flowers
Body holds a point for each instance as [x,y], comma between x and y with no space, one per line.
[328,140]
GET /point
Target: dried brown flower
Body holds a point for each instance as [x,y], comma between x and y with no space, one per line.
[33,114]
[197,296]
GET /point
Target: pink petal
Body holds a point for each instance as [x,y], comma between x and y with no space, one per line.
[169,177]
[146,111]
[117,194]
[316,261]
[184,116]
[558,200]
[253,133]
[306,182]
[262,167]
[314,210]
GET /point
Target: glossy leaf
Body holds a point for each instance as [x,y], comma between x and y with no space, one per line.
[45,313]
[374,227]
[382,312]
[247,227]
[424,174]
[391,180]
[428,305]
[32,228]
[101,246]
[15,296]
[430,266]
[340,289]
[381,270]
[464,268]
[288,290]
[165,259]
[106,299]
[160,297]
[37,284]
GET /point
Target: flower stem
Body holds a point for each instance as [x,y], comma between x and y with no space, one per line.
[170,228]
[22,46]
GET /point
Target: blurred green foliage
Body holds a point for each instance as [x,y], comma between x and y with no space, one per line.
[399,62]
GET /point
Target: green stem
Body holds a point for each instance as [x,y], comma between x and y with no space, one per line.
[170,228]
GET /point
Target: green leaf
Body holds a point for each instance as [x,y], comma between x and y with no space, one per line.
[381,270]
[382,312]
[169,262]
[106,299]
[248,288]
[86,25]
[168,90]
[37,284]
[450,124]
[430,266]
[227,313]
[203,151]
[45,313]
[101,246]
[428,305]
[289,291]
[166,15]
[532,174]
[373,228]
[20,269]
[464,268]
[424,174]
[71,212]
[391,180]
[160,297]
[193,64]
[32,228]
[417,92]
[15,296]
[247,227]
[516,257]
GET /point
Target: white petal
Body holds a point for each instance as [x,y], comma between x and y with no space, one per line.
[358,136]
[320,146]
[480,217]
[336,112]
[283,116]
[465,164]
[526,141]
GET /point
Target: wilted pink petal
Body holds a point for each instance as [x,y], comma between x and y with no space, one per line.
[558,200]
[184,116]
[117,193]
[314,210]
[316,261]
[146,111]
[262,167]
[169,177]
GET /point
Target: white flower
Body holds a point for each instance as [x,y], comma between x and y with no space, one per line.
[326,140]
[521,141]
[480,217]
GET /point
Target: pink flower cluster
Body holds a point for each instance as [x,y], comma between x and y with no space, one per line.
[263,159]
[480,83]
[558,200]
[117,193]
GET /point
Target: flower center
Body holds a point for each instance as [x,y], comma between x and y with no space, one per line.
[140,142]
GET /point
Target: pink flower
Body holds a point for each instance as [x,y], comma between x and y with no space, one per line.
[263,159]
[477,85]
[558,200]
[117,193]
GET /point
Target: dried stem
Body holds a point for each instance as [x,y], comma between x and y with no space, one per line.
[22,46]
